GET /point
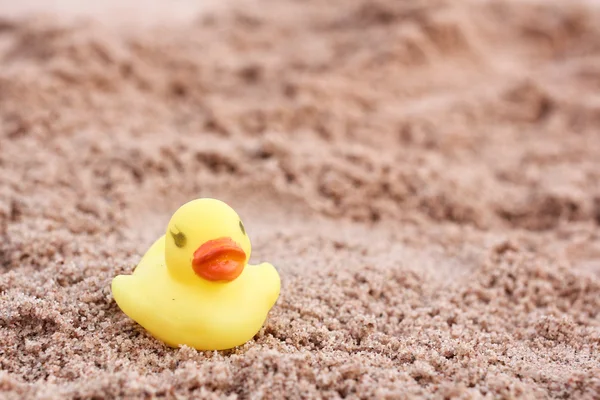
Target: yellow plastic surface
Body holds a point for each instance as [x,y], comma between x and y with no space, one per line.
[175,305]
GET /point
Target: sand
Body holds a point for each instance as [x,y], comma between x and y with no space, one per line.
[425,177]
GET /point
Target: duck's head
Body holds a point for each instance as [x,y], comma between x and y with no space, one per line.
[206,239]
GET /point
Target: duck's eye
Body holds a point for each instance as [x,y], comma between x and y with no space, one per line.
[178,238]
[242,228]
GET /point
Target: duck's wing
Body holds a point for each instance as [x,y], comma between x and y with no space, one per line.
[268,282]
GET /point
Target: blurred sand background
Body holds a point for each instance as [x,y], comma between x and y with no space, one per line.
[424,175]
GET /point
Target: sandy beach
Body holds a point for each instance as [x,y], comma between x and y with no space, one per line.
[425,176]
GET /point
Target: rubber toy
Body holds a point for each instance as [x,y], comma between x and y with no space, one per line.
[194,286]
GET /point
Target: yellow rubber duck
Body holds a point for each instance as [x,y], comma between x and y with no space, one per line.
[194,285]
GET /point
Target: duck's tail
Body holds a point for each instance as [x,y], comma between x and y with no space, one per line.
[122,288]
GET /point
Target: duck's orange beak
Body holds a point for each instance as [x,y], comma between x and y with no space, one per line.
[219,260]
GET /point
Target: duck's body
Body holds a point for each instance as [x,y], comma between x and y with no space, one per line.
[205,314]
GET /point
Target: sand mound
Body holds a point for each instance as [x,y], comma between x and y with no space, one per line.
[425,178]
